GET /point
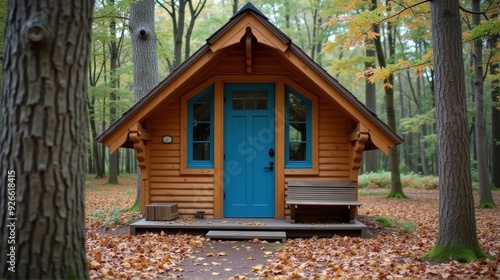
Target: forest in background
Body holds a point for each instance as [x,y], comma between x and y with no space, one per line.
[374,48]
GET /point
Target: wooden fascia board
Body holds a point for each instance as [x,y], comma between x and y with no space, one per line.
[116,142]
[262,33]
[380,143]
[136,115]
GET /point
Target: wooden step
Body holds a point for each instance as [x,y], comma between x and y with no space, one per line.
[246,234]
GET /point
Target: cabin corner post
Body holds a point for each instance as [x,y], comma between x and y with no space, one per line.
[139,137]
[358,138]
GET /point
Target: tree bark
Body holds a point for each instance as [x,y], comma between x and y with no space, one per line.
[99,170]
[371,157]
[44,138]
[485,195]
[194,13]
[457,238]
[235,6]
[113,50]
[179,33]
[495,117]
[144,58]
[396,186]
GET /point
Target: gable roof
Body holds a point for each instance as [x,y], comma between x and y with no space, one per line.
[275,38]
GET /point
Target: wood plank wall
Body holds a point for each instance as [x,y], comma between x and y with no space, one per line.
[191,192]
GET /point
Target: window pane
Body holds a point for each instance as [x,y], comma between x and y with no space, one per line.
[249,100]
[297,152]
[205,99]
[201,151]
[237,100]
[262,100]
[201,112]
[297,109]
[201,131]
[297,132]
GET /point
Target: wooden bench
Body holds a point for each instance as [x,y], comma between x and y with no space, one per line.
[322,201]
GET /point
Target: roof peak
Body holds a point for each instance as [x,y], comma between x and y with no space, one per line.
[249,7]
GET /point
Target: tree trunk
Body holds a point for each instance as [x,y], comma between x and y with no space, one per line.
[457,238]
[44,138]
[113,49]
[495,117]
[235,6]
[396,186]
[485,195]
[95,149]
[194,12]
[146,77]
[371,157]
[179,34]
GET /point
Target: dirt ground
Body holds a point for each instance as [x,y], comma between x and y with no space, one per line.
[226,259]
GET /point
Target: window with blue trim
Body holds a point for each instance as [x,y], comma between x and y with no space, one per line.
[298,130]
[200,148]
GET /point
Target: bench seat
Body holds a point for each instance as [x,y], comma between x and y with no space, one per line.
[330,201]
[340,203]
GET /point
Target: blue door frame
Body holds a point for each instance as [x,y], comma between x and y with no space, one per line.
[249,145]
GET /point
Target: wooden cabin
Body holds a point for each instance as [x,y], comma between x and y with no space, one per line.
[246,113]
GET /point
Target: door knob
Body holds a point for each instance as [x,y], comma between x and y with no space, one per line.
[270,167]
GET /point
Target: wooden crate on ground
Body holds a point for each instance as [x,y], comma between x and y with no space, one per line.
[162,212]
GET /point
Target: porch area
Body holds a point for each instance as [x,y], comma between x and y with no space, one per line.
[254,227]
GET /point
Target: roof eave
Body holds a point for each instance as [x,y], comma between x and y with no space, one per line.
[360,106]
[141,103]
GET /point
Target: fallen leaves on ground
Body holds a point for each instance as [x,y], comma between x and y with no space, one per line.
[124,256]
[385,253]
[112,253]
[388,253]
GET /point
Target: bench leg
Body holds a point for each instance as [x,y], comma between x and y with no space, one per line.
[293,213]
[352,214]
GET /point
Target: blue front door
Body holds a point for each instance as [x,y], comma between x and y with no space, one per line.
[249,134]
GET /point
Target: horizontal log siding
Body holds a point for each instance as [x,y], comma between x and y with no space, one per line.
[191,192]
[334,148]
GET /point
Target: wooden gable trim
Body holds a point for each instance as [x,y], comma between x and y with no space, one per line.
[261,32]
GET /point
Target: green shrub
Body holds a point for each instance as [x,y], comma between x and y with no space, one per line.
[406,226]
[392,222]
[411,180]
[375,180]
[112,217]
[385,221]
